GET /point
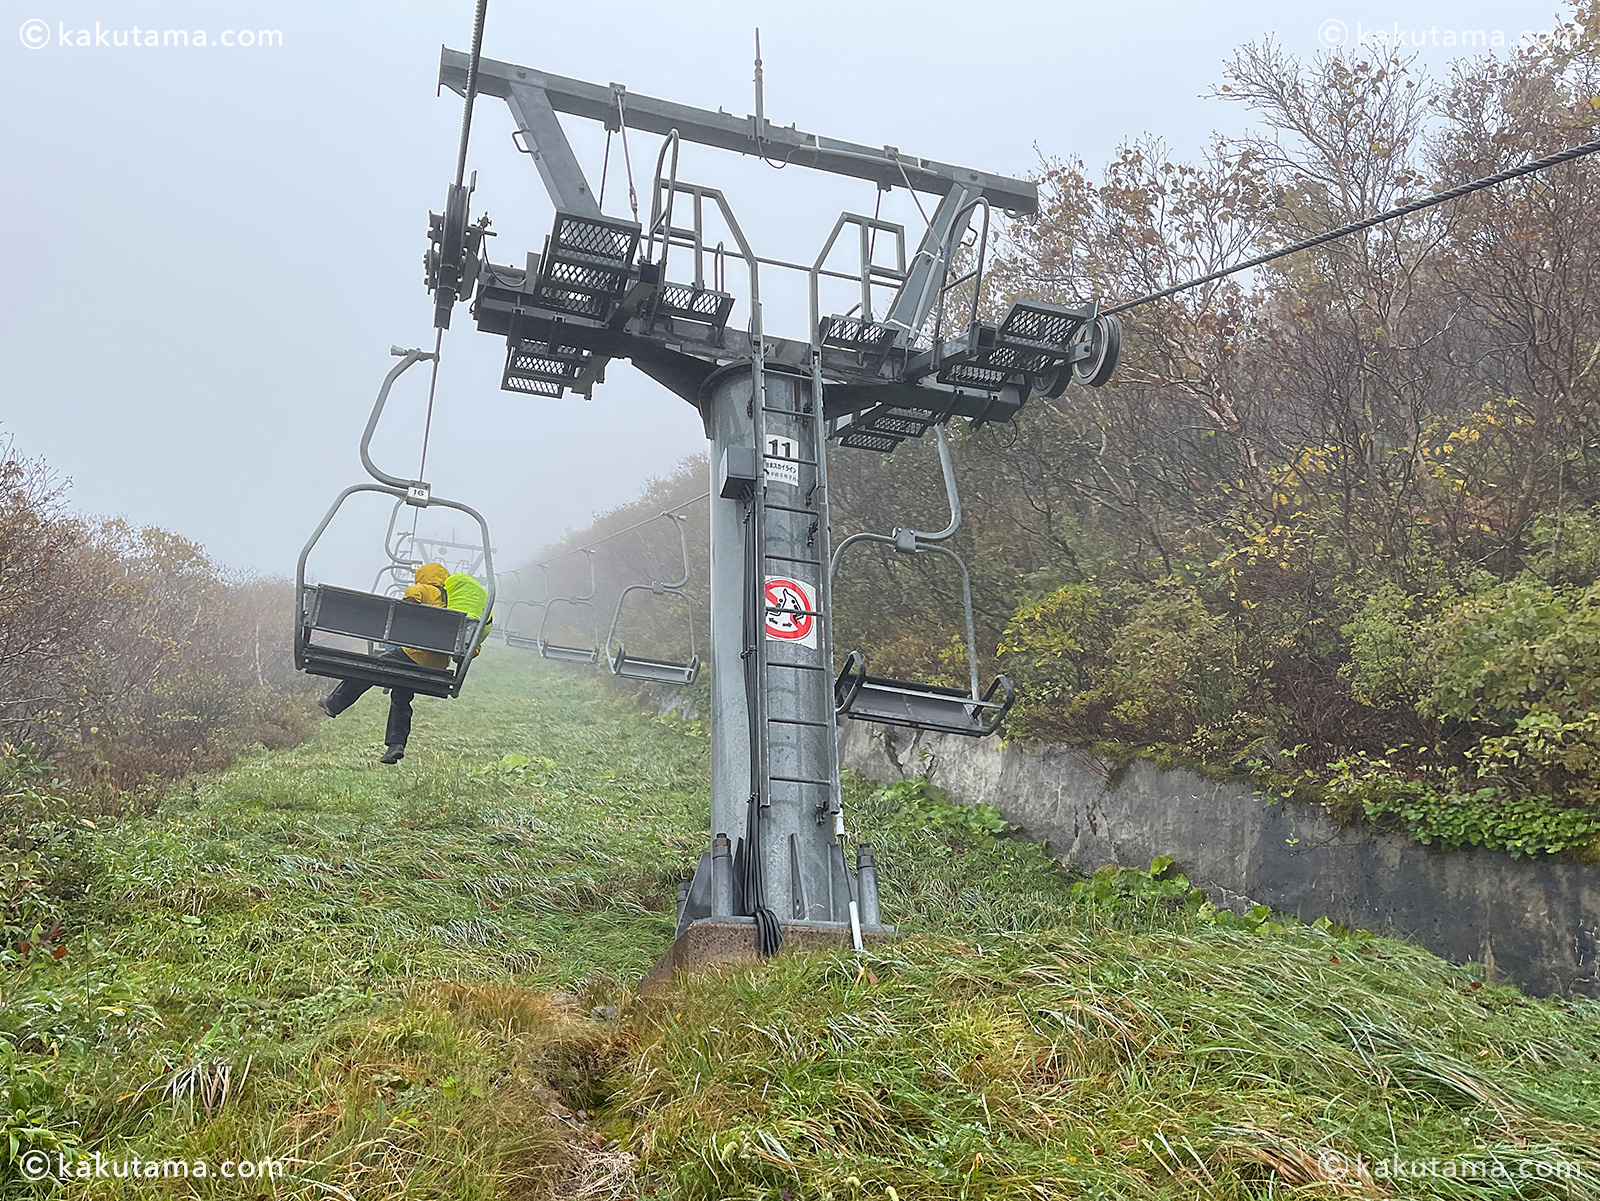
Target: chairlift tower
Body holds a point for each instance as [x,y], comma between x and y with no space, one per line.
[466,557]
[655,293]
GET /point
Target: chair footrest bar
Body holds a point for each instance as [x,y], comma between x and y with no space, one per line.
[920,706]
[655,671]
[336,664]
[569,654]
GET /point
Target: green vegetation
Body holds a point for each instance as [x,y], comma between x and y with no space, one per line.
[416,982]
[1336,511]
[384,967]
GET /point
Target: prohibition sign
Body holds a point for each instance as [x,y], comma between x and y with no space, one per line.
[789,610]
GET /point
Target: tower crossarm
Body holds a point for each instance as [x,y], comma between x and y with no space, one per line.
[885,166]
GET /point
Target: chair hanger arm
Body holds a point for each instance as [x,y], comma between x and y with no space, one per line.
[408,358]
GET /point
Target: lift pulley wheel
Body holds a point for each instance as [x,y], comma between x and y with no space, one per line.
[1103,337]
[451,263]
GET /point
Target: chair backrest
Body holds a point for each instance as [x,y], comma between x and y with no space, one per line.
[385,619]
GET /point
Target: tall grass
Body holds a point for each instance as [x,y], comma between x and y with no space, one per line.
[417,982]
[394,967]
[1115,1038]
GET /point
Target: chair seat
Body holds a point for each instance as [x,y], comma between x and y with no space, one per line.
[340,664]
[917,706]
[656,671]
[384,619]
[569,654]
[523,642]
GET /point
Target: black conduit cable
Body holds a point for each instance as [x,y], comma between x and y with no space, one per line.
[427,425]
[769,934]
[1404,210]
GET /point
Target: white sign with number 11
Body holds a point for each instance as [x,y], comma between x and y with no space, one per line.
[783,461]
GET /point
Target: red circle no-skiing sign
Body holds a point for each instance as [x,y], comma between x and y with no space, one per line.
[789,610]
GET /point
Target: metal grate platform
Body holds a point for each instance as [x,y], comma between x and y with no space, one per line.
[586,265]
[972,373]
[852,333]
[1034,326]
[688,303]
[900,420]
[1031,346]
[1029,362]
[863,439]
[538,368]
[900,427]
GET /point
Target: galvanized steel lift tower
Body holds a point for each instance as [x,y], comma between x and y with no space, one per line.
[604,288]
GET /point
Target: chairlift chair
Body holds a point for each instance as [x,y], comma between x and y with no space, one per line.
[387,620]
[397,575]
[641,667]
[559,652]
[398,544]
[864,697]
[513,633]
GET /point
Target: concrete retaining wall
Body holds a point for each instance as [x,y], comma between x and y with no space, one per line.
[1535,921]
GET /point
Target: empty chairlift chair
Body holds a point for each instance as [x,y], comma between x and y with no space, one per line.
[398,544]
[581,604]
[517,634]
[642,667]
[886,701]
[522,632]
[380,620]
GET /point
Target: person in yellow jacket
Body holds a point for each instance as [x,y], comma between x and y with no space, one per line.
[461,592]
[434,586]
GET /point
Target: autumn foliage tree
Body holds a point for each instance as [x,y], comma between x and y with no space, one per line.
[126,654]
[1316,497]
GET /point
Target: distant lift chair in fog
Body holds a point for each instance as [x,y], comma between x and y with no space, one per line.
[906,702]
[401,568]
[582,603]
[516,633]
[399,544]
[523,633]
[640,667]
[398,576]
[386,620]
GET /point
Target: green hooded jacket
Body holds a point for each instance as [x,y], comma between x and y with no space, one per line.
[465,595]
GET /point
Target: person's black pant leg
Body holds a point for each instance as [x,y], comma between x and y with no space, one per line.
[398,731]
[345,693]
[348,692]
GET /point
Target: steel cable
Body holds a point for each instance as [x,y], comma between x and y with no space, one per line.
[461,175]
[577,550]
[1404,210]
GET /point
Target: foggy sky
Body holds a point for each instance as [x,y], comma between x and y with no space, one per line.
[208,252]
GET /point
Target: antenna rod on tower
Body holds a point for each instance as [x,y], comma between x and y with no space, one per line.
[761,115]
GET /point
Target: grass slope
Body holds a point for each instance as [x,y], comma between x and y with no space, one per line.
[415,982]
